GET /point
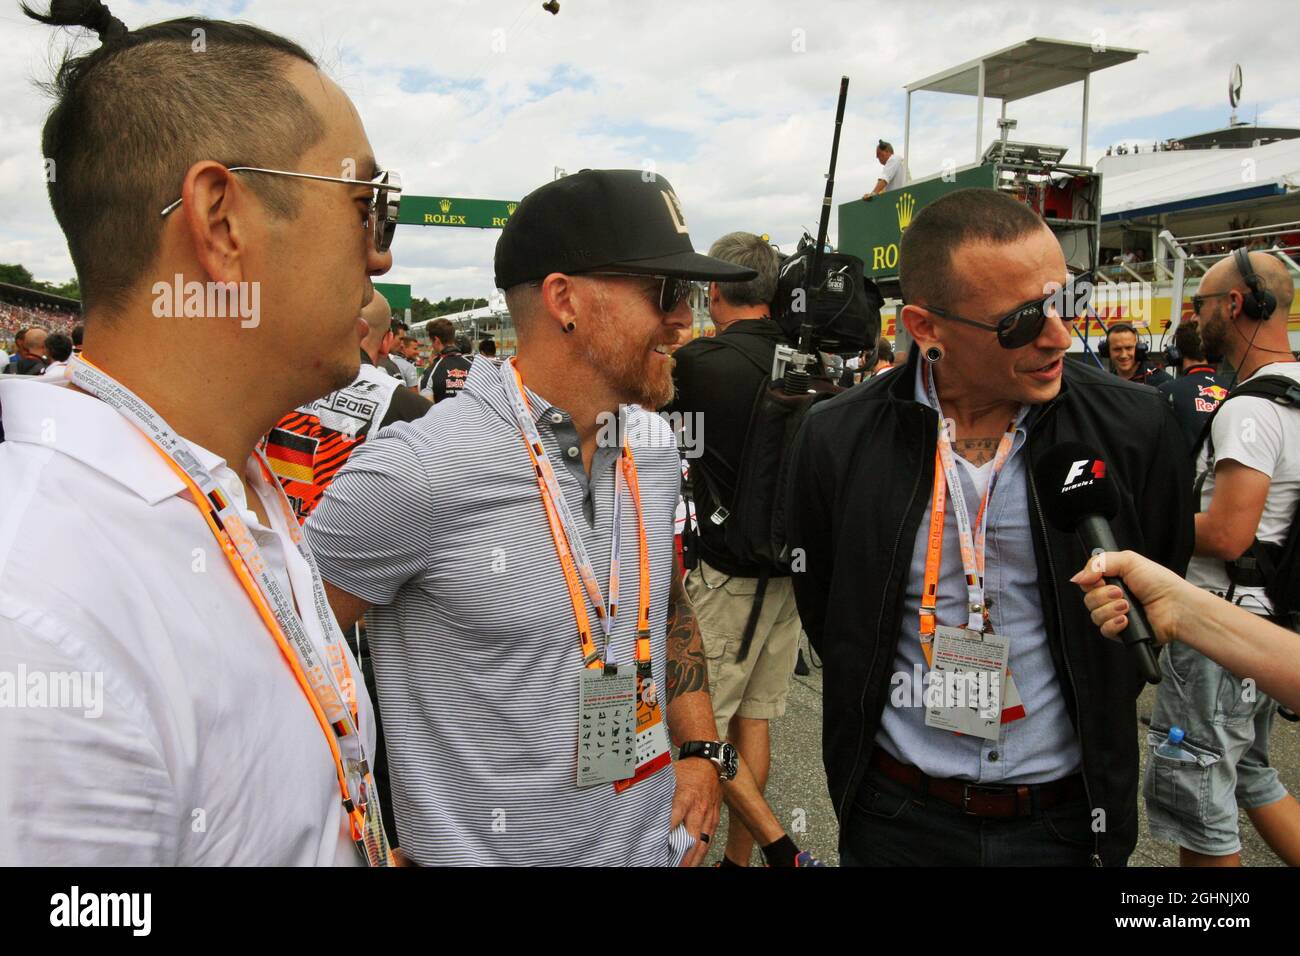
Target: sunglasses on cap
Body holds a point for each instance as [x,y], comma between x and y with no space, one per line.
[1024,324]
[672,291]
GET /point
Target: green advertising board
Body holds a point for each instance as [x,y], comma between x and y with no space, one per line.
[398,296]
[453,211]
[872,230]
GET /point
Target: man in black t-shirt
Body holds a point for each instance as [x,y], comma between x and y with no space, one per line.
[1195,394]
[716,380]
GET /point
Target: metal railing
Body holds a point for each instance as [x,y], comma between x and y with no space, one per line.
[1194,255]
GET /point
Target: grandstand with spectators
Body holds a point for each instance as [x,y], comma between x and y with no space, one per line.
[21,307]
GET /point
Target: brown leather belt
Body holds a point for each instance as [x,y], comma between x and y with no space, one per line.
[977,799]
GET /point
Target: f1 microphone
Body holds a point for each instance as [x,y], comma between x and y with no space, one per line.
[1078,497]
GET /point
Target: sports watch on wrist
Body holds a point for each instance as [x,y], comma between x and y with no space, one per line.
[718,752]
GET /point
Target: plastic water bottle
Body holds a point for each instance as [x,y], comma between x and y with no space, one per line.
[1171,747]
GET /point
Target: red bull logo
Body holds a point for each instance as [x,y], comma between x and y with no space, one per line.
[1216,392]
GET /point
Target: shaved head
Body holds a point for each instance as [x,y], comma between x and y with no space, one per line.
[1224,276]
[378,315]
[1225,328]
[34,343]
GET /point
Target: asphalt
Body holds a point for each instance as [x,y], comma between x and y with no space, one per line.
[797,783]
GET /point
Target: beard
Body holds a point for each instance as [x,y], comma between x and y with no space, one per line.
[1214,335]
[631,368]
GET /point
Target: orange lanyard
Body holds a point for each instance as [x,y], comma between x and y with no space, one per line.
[577,570]
[947,479]
[325,684]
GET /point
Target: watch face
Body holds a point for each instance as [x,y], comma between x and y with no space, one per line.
[730,761]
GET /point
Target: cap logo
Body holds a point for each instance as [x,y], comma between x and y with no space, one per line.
[674,210]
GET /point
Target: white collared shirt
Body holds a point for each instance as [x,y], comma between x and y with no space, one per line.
[55,372]
[894,173]
[183,737]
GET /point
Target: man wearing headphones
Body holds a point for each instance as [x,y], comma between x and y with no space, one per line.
[1128,356]
[1248,473]
[1196,392]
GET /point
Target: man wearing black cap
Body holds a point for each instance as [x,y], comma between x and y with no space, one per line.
[530,708]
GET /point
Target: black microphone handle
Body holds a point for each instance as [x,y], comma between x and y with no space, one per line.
[1096,536]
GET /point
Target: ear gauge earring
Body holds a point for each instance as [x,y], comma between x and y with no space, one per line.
[933,354]
[571,326]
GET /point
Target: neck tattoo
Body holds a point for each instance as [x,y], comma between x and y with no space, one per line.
[977,451]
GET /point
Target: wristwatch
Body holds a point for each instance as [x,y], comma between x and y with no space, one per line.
[718,752]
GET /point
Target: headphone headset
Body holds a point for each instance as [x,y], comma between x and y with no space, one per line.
[1173,355]
[1143,348]
[1258,303]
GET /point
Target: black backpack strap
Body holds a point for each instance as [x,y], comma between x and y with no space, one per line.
[1280,389]
[1257,566]
[751,623]
[698,467]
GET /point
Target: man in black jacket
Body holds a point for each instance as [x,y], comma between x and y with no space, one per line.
[1050,777]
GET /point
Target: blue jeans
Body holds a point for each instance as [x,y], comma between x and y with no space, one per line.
[888,824]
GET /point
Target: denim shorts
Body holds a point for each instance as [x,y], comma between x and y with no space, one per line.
[1194,802]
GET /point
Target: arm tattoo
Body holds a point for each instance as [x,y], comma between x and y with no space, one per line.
[686,668]
[977,451]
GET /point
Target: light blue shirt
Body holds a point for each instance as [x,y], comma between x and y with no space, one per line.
[1042,746]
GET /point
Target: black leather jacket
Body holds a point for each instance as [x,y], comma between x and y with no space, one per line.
[859,487]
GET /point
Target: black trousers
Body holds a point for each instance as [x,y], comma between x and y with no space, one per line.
[888,824]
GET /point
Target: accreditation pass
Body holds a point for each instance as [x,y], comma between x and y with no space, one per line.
[964,687]
[606,725]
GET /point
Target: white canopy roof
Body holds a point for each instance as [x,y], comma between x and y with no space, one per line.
[1025,69]
[1202,177]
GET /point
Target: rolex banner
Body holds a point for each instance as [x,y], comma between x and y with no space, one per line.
[872,230]
[450,211]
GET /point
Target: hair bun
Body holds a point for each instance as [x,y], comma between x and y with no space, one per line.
[91,14]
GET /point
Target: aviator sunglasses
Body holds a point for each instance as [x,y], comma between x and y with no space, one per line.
[1024,324]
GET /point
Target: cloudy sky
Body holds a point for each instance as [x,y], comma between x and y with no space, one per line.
[732,100]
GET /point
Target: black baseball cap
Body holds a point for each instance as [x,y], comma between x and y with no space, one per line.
[618,220]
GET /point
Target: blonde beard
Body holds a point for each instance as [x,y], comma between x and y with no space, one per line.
[623,366]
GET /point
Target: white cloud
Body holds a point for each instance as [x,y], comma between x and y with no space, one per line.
[715,93]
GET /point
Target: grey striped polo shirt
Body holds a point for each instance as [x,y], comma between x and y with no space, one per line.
[440,524]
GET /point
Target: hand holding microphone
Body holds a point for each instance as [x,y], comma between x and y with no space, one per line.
[1078,497]
[1164,595]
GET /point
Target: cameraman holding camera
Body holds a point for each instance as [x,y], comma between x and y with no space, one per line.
[746,612]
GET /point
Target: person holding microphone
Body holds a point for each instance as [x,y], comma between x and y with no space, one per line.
[1244,643]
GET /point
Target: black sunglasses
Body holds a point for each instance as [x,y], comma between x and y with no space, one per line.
[1199,300]
[1023,325]
[672,291]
